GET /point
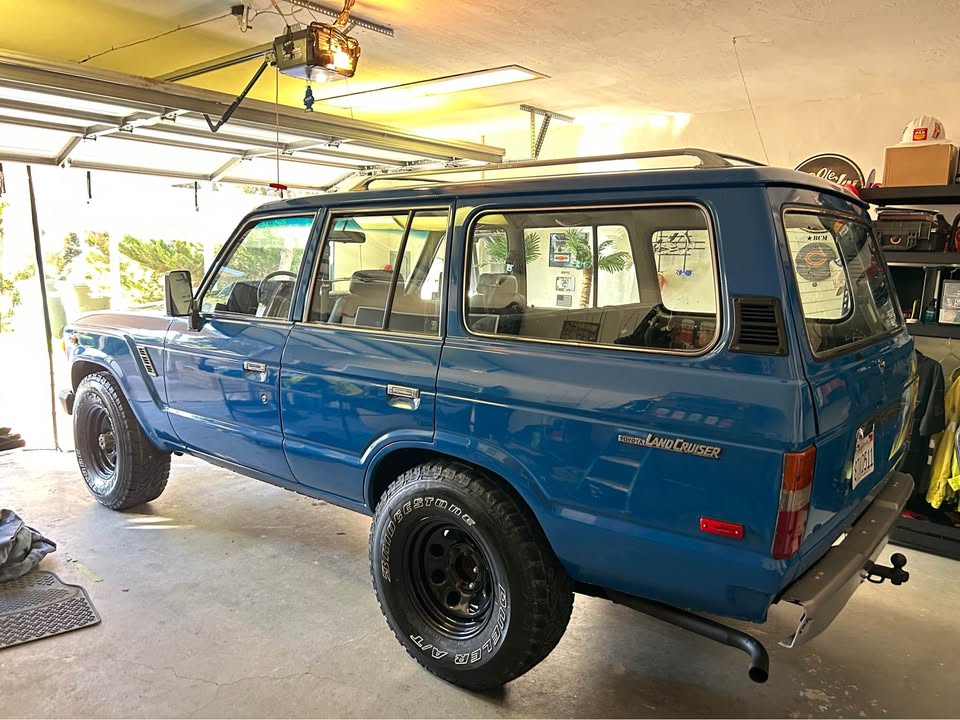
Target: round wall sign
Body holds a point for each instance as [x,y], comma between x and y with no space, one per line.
[835,168]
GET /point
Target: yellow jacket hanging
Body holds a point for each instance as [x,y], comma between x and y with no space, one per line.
[945,472]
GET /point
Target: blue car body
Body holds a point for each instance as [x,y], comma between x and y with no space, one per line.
[548,418]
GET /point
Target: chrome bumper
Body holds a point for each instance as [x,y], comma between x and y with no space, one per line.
[824,589]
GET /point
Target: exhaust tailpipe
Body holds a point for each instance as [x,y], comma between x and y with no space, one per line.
[759,669]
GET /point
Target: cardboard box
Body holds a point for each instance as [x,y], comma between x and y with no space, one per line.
[920,164]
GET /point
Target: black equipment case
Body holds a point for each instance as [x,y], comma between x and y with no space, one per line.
[905,229]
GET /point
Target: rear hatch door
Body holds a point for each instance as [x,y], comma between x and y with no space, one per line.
[858,359]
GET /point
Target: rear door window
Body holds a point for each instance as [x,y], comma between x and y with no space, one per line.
[845,293]
[382,271]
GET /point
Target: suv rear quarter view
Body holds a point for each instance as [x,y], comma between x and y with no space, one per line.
[674,389]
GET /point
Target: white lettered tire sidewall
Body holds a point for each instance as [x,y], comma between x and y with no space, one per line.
[393,530]
[92,394]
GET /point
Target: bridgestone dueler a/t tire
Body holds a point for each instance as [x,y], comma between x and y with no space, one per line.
[533,594]
[141,471]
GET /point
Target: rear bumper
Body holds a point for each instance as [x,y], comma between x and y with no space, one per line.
[824,589]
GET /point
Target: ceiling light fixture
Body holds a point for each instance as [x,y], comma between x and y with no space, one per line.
[447,84]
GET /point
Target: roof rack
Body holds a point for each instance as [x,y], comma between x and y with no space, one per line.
[707,158]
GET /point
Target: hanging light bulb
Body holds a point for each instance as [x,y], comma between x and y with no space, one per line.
[334,50]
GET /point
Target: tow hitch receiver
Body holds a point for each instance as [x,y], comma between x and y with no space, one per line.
[896,574]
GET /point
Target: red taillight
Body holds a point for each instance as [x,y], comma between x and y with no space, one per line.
[794,502]
[722,528]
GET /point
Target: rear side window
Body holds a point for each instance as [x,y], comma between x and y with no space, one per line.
[685,270]
[844,291]
[639,277]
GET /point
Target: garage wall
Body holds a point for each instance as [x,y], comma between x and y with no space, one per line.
[859,126]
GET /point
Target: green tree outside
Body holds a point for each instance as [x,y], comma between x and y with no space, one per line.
[142,279]
[59,263]
[8,289]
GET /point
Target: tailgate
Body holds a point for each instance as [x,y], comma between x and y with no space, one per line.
[858,359]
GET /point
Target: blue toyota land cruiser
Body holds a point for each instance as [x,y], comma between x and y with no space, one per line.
[685,390]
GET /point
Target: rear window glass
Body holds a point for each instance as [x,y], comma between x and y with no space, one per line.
[845,294]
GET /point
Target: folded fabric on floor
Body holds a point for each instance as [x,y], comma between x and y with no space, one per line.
[21,547]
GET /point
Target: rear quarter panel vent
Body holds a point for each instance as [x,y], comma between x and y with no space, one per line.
[758,326]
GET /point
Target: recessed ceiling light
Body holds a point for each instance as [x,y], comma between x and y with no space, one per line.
[435,86]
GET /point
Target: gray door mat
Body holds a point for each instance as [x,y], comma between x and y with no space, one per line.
[39,605]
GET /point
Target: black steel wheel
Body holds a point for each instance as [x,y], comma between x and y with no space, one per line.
[120,465]
[99,445]
[450,579]
[465,576]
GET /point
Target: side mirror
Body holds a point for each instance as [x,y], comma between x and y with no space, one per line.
[178,296]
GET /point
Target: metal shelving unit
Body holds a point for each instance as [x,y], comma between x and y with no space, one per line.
[917,195]
[897,258]
[930,537]
[934,330]
[925,535]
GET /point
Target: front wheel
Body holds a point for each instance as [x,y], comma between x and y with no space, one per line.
[465,576]
[120,465]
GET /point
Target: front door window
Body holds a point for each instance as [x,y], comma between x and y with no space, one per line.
[257,278]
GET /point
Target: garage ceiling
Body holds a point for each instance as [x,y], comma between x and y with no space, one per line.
[622,56]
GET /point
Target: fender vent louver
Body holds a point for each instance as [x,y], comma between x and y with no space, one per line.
[147,361]
[758,326]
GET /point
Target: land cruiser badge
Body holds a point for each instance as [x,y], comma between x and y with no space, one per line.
[678,445]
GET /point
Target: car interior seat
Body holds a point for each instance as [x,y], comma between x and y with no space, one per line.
[368,288]
[496,292]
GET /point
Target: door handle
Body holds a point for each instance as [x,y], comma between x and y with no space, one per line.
[404,398]
[249,366]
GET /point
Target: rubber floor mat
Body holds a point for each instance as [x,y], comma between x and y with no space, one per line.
[39,605]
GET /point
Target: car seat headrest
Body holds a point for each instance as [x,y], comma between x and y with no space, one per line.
[365,282]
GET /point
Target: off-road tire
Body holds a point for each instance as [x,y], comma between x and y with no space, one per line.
[533,595]
[139,470]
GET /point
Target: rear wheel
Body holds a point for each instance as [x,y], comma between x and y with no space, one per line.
[465,577]
[120,465]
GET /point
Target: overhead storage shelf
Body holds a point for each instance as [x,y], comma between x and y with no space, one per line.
[934,330]
[922,259]
[918,195]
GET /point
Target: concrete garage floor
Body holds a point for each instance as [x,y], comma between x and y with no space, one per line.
[229,597]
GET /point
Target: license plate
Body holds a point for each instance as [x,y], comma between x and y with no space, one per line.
[863,456]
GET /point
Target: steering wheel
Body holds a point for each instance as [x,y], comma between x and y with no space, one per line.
[637,336]
[270,276]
